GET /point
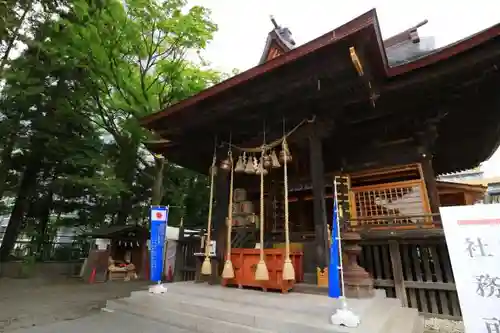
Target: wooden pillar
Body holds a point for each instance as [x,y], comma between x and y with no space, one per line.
[426,141]
[219,218]
[430,183]
[301,203]
[319,204]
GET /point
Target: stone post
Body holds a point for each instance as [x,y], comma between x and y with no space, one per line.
[358,282]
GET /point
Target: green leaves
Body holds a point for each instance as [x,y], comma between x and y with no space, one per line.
[72,101]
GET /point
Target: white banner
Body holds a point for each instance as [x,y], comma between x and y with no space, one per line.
[473,238]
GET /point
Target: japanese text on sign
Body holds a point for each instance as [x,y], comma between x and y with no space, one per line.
[159,217]
[473,239]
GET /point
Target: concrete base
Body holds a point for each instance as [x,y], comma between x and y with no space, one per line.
[214,309]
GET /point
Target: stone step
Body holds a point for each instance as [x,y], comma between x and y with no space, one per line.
[189,322]
[404,318]
[255,313]
[289,302]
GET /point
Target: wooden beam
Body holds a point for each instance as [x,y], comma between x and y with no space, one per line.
[371,157]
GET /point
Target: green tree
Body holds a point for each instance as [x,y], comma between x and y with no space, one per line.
[138,64]
[73,152]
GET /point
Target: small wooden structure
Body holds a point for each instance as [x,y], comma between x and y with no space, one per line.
[127,248]
[381,123]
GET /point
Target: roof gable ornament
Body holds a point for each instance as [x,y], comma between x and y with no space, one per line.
[279,41]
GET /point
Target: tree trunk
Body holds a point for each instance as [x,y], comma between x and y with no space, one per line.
[44,221]
[6,161]
[6,156]
[157,194]
[126,169]
[12,40]
[26,187]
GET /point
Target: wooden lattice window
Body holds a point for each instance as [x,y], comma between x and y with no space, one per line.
[389,196]
[402,200]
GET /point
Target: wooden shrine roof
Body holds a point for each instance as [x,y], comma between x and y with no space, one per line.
[444,87]
[444,186]
[118,232]
[279,41]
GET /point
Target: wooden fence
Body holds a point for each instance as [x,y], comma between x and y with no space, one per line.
[185,261]
[416,271]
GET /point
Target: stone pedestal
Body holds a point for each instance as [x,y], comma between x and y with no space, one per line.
[358,283]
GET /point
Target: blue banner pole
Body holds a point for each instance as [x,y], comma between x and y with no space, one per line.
[159,216]
[333,269]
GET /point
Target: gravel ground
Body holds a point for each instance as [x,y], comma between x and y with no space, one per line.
[31,302]
[433,325]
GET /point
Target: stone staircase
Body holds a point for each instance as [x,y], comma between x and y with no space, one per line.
[214,309]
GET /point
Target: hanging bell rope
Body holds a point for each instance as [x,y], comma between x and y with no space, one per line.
[228,271]
[259,166]
[275,143]
[261,273]
[288,269]
[206,267]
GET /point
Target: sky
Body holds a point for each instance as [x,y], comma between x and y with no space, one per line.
[243,26]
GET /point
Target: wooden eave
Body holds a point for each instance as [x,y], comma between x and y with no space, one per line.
[367,21]
[448,78]
[454,187]
[480,182]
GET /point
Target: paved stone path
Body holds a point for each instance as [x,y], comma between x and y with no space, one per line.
[106,323]
[27,303]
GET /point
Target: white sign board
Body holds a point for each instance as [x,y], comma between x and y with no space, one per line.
[212,248]
[473,238]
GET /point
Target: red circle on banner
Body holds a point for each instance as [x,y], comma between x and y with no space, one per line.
[159,215]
